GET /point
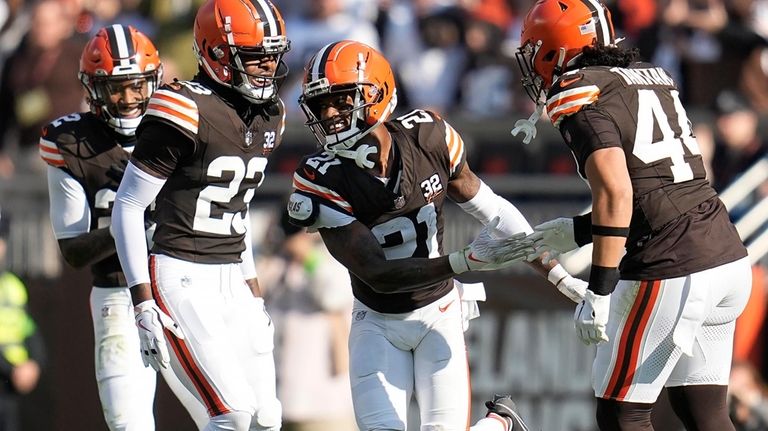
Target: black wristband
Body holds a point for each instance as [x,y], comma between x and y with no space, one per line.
[602,279]
[610,230]
[582,229]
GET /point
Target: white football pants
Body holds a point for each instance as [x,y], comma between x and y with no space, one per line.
[126,386]
[674,332]
[393,356]
[226,358]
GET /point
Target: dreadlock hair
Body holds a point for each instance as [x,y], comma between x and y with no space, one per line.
[612,56]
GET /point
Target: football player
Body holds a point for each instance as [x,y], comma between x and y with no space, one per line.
[86,153]
[202,150]
[375,191]
[663,314]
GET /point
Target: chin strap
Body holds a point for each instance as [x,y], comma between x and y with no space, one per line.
[359,155]
[528,126]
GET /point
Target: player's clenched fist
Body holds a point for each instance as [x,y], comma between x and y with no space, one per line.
[591,317]
[151,320]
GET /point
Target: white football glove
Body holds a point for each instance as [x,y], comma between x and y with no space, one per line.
[570,286]
[553,237]
[487,252]
[151,320]
[591,318]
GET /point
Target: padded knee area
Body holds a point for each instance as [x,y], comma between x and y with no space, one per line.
[620,416]
[268,418]
[701,407]
[232,421]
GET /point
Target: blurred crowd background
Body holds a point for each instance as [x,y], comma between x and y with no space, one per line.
[455,57]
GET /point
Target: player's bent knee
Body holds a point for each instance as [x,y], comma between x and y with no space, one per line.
[268,418]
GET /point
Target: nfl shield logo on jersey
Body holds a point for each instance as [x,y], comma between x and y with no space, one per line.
[248,137]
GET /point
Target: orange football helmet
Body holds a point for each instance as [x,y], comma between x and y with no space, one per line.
[363,72]
[554,34]
[227,31]
[115,56]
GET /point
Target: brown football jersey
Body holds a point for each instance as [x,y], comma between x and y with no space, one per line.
[213,160]
[85,147]
[406,213]
[679,226]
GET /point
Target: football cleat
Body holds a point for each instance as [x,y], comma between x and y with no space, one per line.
[502,405]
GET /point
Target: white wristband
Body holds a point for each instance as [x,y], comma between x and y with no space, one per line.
[557,274]
[458,262]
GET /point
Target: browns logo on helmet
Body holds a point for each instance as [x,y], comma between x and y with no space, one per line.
[353,68]
[229,32]
[117,58]
[554,34]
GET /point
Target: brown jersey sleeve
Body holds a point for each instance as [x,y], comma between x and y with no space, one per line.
[160,148]
[587,131]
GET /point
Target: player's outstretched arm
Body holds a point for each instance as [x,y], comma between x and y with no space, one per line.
[356,248]
[478,200]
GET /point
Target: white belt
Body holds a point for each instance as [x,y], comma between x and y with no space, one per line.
[469,294]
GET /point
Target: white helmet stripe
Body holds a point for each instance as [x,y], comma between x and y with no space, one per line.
[604,32]
[320,58]
[121,41]
[265,12]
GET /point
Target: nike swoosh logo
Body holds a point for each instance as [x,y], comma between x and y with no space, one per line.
[442,308]
[472,257]
[309,174]
[566,82]
[139,324]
